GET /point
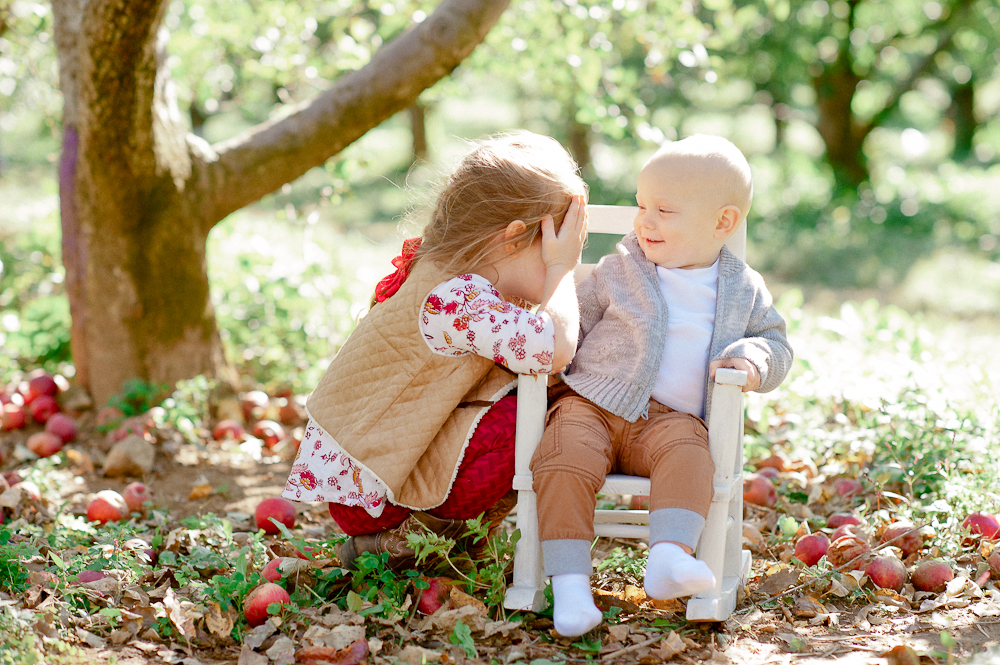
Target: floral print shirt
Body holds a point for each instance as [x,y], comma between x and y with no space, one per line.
[463,315]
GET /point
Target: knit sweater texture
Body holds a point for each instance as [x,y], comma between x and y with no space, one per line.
[623,328]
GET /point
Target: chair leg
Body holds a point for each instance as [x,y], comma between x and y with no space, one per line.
[526,591]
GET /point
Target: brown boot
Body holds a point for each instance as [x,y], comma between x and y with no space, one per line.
[393,541]
[493,521]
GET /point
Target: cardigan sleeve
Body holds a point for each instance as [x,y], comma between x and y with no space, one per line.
[765,343]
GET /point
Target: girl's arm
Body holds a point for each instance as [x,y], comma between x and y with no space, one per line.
[561,253]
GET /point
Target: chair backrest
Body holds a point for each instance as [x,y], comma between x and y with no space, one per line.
[618,220]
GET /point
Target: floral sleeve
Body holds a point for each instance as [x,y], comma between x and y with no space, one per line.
[467,315]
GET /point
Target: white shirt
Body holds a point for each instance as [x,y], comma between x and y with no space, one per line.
[690,295]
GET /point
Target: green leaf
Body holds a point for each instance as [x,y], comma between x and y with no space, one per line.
[462,636]
[354,601]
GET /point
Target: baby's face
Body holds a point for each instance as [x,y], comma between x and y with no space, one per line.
[678,210]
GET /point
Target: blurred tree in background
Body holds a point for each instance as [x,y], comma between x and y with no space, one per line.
[872,125]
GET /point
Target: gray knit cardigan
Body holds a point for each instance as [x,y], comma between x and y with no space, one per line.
[623,328]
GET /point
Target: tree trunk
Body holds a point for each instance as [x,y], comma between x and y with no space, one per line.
[963,114]
[139,194]
[842,135]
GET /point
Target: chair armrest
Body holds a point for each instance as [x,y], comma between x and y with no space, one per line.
[730,377]
[532,402]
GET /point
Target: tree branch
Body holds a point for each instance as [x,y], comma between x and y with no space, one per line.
[944,41]
[239,171]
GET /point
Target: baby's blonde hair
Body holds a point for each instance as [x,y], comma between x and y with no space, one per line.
[719,157]
[511,176]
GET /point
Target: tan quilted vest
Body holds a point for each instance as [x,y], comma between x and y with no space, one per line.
[393,404]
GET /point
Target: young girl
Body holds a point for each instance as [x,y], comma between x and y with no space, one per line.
[414,419]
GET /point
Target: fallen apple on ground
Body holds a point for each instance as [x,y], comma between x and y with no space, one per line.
[136,494]
[280,509]
[44,444]
[228,429]
[839,519]
[43,408]
[429,600]
[257,601]
[269,432]
[886,572]
[810,548]
[932,575]
[759,490]
[903,535]
[62,426]
[982,523]
[107,506]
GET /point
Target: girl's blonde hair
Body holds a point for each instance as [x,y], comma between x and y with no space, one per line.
[507,177]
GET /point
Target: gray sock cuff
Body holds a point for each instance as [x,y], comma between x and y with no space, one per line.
[676,525]
[564,556]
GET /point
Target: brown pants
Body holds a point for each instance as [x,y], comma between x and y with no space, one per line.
[583,443]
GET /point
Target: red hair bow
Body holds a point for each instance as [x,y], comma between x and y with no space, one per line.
[391,283]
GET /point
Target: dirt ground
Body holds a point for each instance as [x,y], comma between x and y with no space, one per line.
[808,625]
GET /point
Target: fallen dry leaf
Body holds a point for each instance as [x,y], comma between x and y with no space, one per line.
[461,599]
[200,492]
[670,646]
[354,653]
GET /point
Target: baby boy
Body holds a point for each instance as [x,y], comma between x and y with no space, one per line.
[657,320]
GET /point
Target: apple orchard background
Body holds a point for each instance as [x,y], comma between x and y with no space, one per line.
[871,472]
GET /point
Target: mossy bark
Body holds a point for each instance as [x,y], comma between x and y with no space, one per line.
[139,194]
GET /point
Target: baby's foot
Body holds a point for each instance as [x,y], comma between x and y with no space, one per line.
[573,611]
[673,573]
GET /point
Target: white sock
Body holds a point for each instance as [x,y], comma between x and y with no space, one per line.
[673,573]
[573,609]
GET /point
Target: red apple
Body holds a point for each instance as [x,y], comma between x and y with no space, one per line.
[136,494]
[12,417]
[932,575]
[982,523]
[849,548]
[289,414]
[62,426]
[268,431]
[639,502]
[255,605]
[270,571]
[12,477]
[434,596]
[107,506]
[43,407]
[44,444]
[849,530]
[769,472]
[280,509]
[254,403]
[839,519]
[759,490]
[4,397]
[848,487]
[108,415]
[907,537]
[228,429]
[810,548]
[776,462]
[42,384]
[886,572]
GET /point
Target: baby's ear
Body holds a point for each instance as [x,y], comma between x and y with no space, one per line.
[727,221]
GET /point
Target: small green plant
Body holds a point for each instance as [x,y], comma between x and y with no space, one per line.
[13,575]
[462,636]
[138,396]
[626,561]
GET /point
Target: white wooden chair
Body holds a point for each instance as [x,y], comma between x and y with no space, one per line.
[721,541]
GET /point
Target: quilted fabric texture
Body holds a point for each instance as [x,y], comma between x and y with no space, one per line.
[392,403]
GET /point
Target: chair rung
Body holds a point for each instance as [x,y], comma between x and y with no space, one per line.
[617,483]
[639,531]
[621,517]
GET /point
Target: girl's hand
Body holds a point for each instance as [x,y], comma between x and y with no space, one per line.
[562,251]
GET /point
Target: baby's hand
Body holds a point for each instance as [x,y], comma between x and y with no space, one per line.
[562,251]
[753,374]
